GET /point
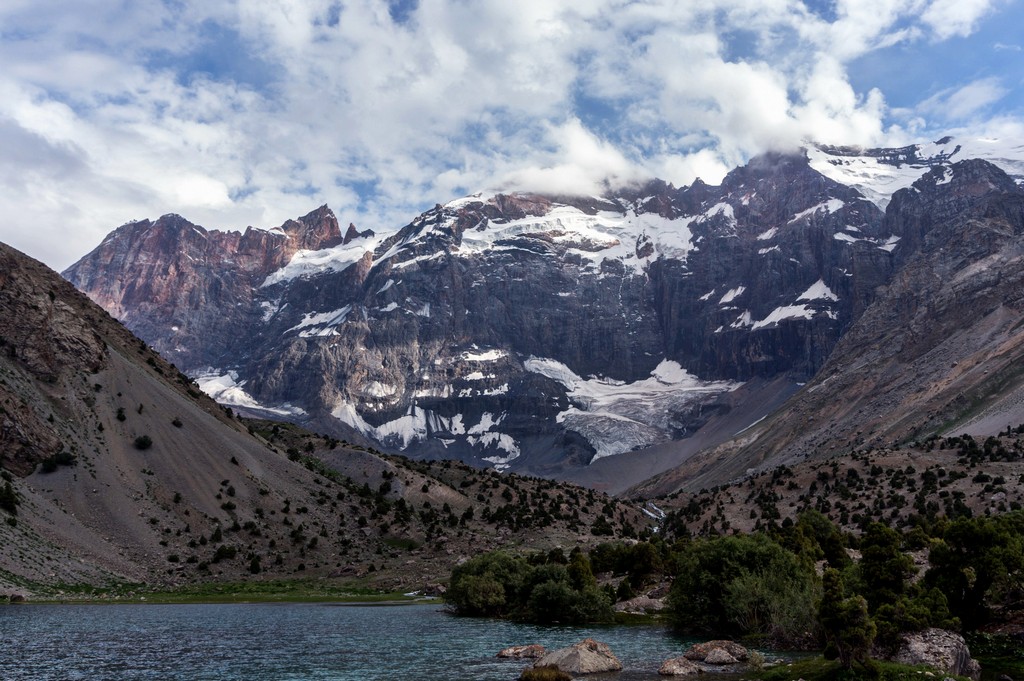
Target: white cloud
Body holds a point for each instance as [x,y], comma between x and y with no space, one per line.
[957,104]
[948,18]
[579,163]
[251,113]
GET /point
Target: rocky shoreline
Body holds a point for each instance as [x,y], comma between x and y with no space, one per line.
[944,651]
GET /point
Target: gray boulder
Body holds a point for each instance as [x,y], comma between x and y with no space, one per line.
[586,657]
[701,651]
[531,651]
[641,605]
[679,666]
[943,650]
[719,656]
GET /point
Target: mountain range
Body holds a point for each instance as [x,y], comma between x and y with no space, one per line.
[809,303]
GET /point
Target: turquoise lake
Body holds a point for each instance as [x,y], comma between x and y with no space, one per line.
[289,642]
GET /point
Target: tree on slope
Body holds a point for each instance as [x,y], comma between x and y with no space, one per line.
[849,631]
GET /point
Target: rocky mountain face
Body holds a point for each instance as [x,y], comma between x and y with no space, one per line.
[524,331]
[879,173]
[42,340]
[939,350]
[545,333]
[167,278]
[116,470]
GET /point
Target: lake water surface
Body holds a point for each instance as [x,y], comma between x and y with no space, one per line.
[289,642]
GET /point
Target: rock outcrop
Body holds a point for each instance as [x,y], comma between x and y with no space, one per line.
[533,651]
[679,666]
[586,657]
[718,656]
[642,605]
[943,650]
[937,349]
[191,292]
[42,334]
[728,652]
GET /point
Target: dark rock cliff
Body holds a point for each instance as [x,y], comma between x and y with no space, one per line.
[521,329]
[938,351]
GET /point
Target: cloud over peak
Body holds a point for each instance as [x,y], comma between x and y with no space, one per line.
[250,113]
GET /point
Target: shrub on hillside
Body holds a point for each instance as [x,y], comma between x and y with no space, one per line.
[497,584]
[744,585]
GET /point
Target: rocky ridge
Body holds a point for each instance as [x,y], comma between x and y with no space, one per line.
[172,278]
[532,332]
[542,334]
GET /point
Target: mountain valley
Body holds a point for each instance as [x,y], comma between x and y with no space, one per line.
[718,350]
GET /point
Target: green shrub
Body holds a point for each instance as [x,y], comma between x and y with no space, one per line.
[743,585]
[976,566]
[497,584]
[8,499]
[224,552]
[849,632]
[143,442]
[52,462]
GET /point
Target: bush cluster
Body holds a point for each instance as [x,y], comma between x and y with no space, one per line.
[766,583]
[791,585]
[498,584]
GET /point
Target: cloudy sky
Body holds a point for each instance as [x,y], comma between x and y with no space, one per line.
[251,112]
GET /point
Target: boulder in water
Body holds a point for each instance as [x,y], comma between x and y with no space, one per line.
[586,657]
[700,651]
[531,651]
[679,666]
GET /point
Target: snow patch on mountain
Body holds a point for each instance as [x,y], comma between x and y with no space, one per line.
[890,244]
[819,290]
[880,173]
[418,424]
[830,206]
[616,416]
[336,259]
[225,388]
[605,234]
[484,356]
[790,312]
[322,323]
[732,295]
[400,432]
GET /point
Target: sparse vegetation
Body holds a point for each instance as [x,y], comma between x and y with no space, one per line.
[143,442]
[54,461]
